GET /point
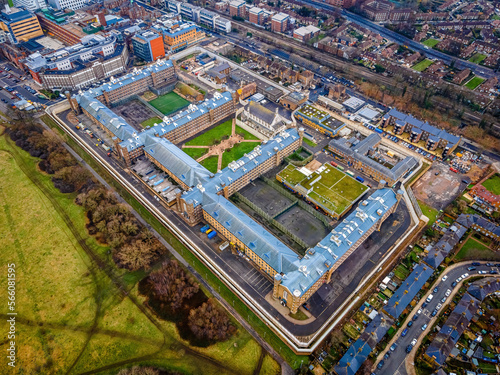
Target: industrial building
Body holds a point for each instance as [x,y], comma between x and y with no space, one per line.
[148,45]
[364,156]
[419,131]
[19,25]
[79,65]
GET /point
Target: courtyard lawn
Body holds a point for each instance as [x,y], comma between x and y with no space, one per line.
[238,151]
[474,250]
[195,153]
[151,121]
[428,211]
[75,316]
[430,42]
[211,163]
[422,65]
[245,134]
[477,58]
[213,136]
[492,184]
[169,103]
[474,82]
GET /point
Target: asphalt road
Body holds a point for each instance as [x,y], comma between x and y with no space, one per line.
[330,304]
[391,35]
[395,364]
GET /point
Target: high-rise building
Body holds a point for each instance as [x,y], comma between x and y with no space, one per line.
[237,8]
[68,4]
[279,22]
[19,25]
[148,45]
[30,5]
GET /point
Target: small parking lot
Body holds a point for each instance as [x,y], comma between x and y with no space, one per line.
[258,281]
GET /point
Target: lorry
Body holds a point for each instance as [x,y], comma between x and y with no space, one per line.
[378,130]
[334,164]
[350,173]
[340,167]
[204,229]
[106,148]
[212,234]
[360,179]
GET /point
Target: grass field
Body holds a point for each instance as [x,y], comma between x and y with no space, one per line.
[430,42]
[331,188]
[212,136]
[261,328]
[238,151]
[75,316]
[474,82]
[211,163]
[477,58]
[428,211]
[474,250]
[492,184]
[169,103]
[195,153]
[151,121]
[422,65]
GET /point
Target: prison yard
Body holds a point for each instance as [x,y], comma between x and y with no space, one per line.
[169,103]
[219,146]
[80,313]
[327,186]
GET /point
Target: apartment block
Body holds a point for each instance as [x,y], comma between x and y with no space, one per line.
[279,22]
[256,15]
[178,35]
[305,33]
[237,8]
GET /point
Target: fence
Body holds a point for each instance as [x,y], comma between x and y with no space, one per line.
[163,90]
[269,219]
[275,185]
[145,102]
[414,202]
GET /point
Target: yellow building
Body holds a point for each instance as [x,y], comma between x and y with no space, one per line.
[20,24]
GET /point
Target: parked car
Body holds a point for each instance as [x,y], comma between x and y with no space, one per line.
[448,292]
[436,289]
[393,347]
[444,278]
[443,300]
[380,364]
[405,331]
[410,323]
[424,327]
[434,313]
[413,342]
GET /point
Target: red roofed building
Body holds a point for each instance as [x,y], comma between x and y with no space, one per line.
[485,198]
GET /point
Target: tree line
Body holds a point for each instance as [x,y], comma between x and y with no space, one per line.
[171,291]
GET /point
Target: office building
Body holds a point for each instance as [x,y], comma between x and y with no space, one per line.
[68,4]
[178,35]
[148,45]
[80,65]
[58,24]
[279,22]
[30,5]
[19,25]
[237,8]
[319,120]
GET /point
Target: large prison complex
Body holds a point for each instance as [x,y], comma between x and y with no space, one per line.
[206,194]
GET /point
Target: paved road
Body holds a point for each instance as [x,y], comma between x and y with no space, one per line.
[396,363]
[393,36]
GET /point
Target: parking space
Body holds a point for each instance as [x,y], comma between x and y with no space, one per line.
[258,281]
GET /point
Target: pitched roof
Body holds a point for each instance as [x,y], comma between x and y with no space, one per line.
[354,358]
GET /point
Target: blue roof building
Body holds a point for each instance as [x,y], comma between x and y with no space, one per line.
[352,361]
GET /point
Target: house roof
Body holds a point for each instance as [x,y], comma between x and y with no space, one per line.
[354,358]
[408,290]
[441,250]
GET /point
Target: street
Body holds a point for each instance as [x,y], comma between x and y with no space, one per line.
[395,364]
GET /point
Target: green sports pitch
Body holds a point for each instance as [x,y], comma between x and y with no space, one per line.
[331,189]
[169,103]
